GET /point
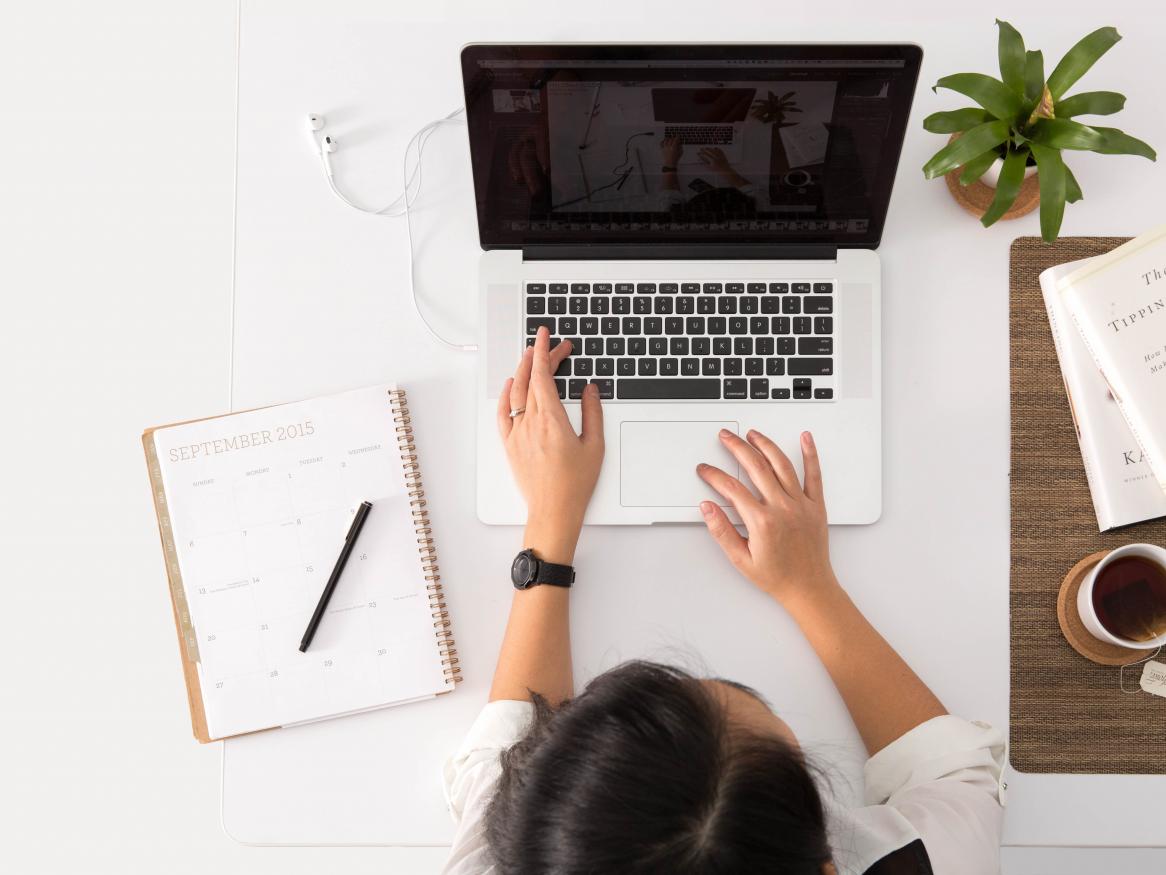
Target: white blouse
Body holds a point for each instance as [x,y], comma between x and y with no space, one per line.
[940,782]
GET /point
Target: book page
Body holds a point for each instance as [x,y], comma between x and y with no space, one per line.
[260,504]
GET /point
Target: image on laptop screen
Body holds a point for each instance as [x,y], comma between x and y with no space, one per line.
[582,142]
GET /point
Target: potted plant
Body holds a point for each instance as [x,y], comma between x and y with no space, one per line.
[1025,119]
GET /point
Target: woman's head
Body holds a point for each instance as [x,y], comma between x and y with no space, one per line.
[653,770]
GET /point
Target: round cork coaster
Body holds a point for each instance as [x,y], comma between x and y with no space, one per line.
[977,197]
[1079,638]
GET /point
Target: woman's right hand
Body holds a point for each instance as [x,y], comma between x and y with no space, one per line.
[787,552]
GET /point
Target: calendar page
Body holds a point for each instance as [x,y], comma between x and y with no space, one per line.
[259,507]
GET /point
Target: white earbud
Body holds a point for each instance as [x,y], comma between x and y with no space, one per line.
[325,147]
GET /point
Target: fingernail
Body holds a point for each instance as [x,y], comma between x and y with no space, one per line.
[701,466]
[592,389]
[706,508]
[808,439]
[725,433]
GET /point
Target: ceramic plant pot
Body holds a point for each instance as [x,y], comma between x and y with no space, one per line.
[977,196]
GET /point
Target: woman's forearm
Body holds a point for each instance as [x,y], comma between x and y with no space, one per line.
[884,696]
[536,649]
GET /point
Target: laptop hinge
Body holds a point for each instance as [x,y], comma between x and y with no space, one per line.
[677,252]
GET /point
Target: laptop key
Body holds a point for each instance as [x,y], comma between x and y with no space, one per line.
[815,346]
[632,325]
[558,288]
[811,367]
[823,394]
[669,367]
[690,367]
[625,367]
[758,325]
[561,387]
[819,305]
[778,288]
[801,288]
[771,305]
[801,325]
[736,388]
[600,306]
[802,383]
[738,325]
[727,305]
[601,288]
[568,325]
[764,345]
[673,325]
[779,325]
[706,305]
[722,346]
[780,394]
[678,346]
[669,288]
[754,367]
[712,288]
[657,346]
[735,288]
[577,306]
[801,394]
[557,305]
[605,367]
[824,325]
[823,288]
[646,368]
[701,345]
[775,367]
[606,387]
[637,346]
[663,306]
[791,305]
[536,305]
[711,367]
[756,288]
[616,345]
[576,345]
[743,346]
[609,325]
[685,305]
[694,325]
[589,325]
[534,323]
[593,345]
[690,288]
[624,288]
[575,389]
[759,389]
[749,304]
[564,368]
[668,389]
[621,306]
[584,367]
[733,367]
[536,288]
[786,346]
[580,288]
[717,325]
[641,306]
[653,325]
[645,288]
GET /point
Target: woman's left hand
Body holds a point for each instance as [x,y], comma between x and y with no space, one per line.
[556,468]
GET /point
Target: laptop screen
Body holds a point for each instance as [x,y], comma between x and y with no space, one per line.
[763,144]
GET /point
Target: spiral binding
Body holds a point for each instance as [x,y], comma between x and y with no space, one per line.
[403,426]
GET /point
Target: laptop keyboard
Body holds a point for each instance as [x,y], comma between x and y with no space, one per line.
[701,135]
[678,341]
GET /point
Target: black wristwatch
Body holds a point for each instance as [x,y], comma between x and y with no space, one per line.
[528,570]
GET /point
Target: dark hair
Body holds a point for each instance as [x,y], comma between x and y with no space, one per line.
[642,772]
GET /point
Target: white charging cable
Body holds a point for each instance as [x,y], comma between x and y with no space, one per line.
[400,206]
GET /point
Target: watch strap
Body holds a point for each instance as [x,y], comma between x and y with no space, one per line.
[555,575]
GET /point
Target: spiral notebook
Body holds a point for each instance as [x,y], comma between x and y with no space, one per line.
[253,509]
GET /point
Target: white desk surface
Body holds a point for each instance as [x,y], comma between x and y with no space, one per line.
[322,306]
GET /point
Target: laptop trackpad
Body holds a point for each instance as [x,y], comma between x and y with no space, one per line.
[657,462]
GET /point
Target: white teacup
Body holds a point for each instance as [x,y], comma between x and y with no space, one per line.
[1088,613]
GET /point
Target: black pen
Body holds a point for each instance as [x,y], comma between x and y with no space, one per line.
[334,577]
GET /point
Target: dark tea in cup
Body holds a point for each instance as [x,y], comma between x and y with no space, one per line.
[1129,597]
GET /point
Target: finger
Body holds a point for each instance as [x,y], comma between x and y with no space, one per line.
[505,421]
[520,385]
[783,468]
[542,384]
[813,468]
[592,433]
[559,351]
[730,488]
[755,465]
[725,533]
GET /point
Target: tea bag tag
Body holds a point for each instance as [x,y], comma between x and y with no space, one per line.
[1154,678]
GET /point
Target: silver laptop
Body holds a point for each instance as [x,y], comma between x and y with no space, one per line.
[736,287]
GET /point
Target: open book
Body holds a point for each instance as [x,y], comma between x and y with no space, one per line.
[253,509]
[1123,487]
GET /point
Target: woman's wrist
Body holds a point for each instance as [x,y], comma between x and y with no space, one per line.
[553,538]
[812,601]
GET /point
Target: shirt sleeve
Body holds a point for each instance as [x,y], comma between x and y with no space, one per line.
[470,776]
[943,777]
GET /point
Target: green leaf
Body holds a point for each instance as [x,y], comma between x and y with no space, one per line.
[1063,133]
[966,147]
[1115,142]
[1051,174]
[992,94]
[956,121]
[1034,76]
[974,168]
[1080,58]
[1072,189]
[1007,188]
[1011,52]
[1090,103]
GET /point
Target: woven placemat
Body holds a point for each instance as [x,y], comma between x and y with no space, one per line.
[1067,713]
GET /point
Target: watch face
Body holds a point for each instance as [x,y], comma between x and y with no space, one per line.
[522,570]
